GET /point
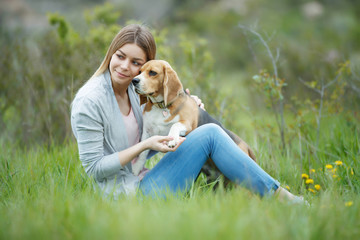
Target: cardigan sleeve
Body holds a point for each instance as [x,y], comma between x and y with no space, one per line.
[88,128]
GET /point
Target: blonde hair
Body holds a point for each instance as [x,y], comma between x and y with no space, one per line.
[133,33]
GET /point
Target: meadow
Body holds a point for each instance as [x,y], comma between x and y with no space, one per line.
[293,96]
[45,194]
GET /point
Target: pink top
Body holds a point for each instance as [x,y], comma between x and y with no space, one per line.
[132,130]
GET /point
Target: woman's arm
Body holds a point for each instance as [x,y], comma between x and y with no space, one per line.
[88,127]
[157,143]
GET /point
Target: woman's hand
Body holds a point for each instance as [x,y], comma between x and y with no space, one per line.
[160,143]
[197,100]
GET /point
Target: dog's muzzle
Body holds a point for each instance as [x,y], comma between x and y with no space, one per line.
[136,84]
[136,81]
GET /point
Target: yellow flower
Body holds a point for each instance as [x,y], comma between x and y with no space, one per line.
[309,181]
[287,187]
[335,176]
[317,187]
[352,171]
[329,166]
[349,204]
[312,190]
[312,170]
[338,163]
[304,176]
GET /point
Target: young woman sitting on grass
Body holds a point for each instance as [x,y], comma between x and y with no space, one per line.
[106,119]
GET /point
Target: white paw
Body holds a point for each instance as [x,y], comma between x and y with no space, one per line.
[172,143]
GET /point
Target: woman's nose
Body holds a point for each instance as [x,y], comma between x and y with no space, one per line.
[125,64]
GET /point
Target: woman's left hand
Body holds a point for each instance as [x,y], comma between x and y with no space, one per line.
[197,100]
[160,143]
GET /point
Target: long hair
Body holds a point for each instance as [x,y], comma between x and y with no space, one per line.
[133,33]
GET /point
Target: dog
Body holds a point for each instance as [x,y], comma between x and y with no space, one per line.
[170,111]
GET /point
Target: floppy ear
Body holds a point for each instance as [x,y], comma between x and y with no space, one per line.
[143,99]
[172,84]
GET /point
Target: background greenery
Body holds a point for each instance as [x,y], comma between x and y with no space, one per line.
[283,74]
[210,45]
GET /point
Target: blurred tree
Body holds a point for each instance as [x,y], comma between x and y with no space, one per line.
[58,61]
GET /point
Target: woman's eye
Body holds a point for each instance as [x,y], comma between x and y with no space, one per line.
[152,73]
[136,63]
[119,56]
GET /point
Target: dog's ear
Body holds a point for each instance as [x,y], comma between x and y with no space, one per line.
[143,99]
[172,84]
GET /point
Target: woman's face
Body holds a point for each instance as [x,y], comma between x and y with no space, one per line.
[125,63]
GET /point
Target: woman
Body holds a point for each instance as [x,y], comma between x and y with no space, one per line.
[106,120]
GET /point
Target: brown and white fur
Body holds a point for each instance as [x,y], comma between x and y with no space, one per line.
[170,111]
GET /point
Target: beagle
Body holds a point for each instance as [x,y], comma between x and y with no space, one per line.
[170,111]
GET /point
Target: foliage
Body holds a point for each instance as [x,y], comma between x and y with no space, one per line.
[43,183]
[210,49]
[330,94]
[46,194]
[56,70]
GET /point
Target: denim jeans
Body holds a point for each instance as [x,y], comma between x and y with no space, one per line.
[176,171]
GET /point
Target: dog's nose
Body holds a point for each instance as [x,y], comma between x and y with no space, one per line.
[136,81]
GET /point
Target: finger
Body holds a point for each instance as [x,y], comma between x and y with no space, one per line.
[197,99]
[165,148]
[181,140]
[165,139]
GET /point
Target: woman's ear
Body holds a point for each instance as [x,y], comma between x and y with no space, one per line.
[172,84]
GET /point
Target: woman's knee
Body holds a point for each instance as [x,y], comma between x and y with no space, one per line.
[212,128]
[206,134]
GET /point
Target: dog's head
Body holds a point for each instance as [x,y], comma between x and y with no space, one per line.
[158,81]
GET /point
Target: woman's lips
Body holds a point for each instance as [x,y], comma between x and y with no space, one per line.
[121,75]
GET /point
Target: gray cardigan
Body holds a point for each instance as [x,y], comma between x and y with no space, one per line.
[98,126]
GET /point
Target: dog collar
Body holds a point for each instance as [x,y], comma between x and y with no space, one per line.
[162,103]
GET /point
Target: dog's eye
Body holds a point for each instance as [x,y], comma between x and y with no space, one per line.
[139,72]
[152,73]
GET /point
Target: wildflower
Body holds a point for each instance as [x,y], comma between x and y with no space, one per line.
[317,187]
[309,181]
[349,204]
[312,190]
[312,170]
[329,166]
[352,171]
[287,187]
[335,176]
[338,163]
[304,176]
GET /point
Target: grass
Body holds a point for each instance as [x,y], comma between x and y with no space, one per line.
[45,194]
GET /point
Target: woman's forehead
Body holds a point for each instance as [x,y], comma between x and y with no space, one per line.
[133,51]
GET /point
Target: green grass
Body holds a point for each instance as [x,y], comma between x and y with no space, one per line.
[45,194]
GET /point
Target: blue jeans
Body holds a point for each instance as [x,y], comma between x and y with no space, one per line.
[177,170]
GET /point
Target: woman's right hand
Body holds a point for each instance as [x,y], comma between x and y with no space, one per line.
[160,143]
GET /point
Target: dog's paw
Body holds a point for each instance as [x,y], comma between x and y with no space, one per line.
[172,143]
